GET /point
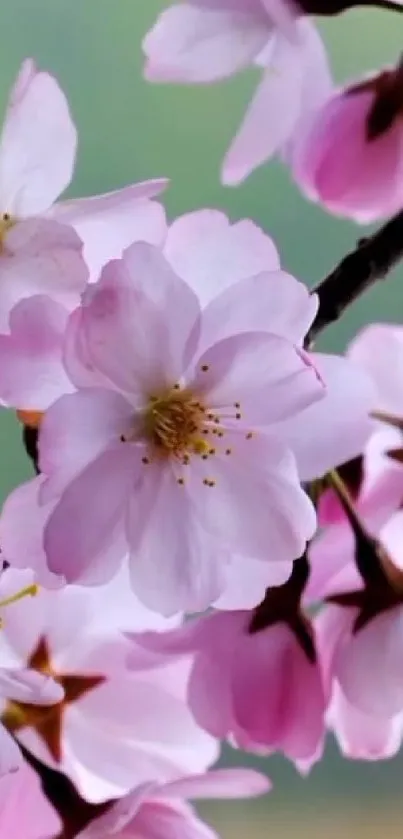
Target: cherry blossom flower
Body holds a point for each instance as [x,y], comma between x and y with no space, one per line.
[176,434]
[350,155]
[37,154]
[378,350]
[24,810]
[200,41]
[159,809]
[142,389]
[239,679]
[114,728]
[364,679]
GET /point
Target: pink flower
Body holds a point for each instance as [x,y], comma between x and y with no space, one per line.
[350,156]
[159,809]
[201,41]
[259,689]
[132,383]
[24,810]
[362,669]
[37,155]
[41,255]
[114,728]
[178,432]
[378,350]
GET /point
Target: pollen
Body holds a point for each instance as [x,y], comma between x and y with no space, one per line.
[173,424]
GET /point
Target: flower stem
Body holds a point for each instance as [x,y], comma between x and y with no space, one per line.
[372,260]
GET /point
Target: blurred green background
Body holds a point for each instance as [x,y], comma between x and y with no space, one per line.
[130,131]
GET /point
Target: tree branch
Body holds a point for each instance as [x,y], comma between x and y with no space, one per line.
[372,260]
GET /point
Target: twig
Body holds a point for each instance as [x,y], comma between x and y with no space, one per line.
[372,260]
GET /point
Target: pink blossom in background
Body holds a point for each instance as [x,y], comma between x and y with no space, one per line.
[378,350]
[349,157]
[200,41]
[24,811]
[37,155]
[115,727]
[259,690]
[364,677]
[155,811]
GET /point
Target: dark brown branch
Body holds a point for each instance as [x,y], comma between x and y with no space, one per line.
[74,812]
[372,260]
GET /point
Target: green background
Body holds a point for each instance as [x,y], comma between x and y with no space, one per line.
[129,131]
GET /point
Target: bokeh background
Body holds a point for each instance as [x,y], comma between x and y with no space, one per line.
[130,131]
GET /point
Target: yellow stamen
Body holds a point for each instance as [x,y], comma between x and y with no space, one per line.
[28,591]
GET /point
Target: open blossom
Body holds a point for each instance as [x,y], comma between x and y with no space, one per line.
[37,154]
[162,810]
[350,155]
[24,810]
[114,728]
[158,446]
[259,689]
[200,41]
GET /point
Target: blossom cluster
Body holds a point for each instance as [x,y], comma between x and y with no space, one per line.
[210,550]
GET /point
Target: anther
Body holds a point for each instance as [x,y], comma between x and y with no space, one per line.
[238,416]
[180,481]
[237,404]
[211,451]
[249,435]
[145,460]
[204,368]
[228,451]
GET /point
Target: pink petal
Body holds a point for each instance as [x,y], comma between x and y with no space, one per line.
[247,580]
[138,320]
[29,686]
[271,116]
[32,374]
[75,430]
[269,302]
[84,538]
[369,666]
[107,224]
[278,694]
[220,783]
[10,761]
[38,145]
[257,506]
[175,565]
[41,257]
[266,374]
[23,546]
[163,820]
[361,736]
[24,810]
[378,348]
[212,254]
[341,419]
[191,44]
[334,160]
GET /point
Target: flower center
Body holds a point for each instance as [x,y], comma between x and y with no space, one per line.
[174,423]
